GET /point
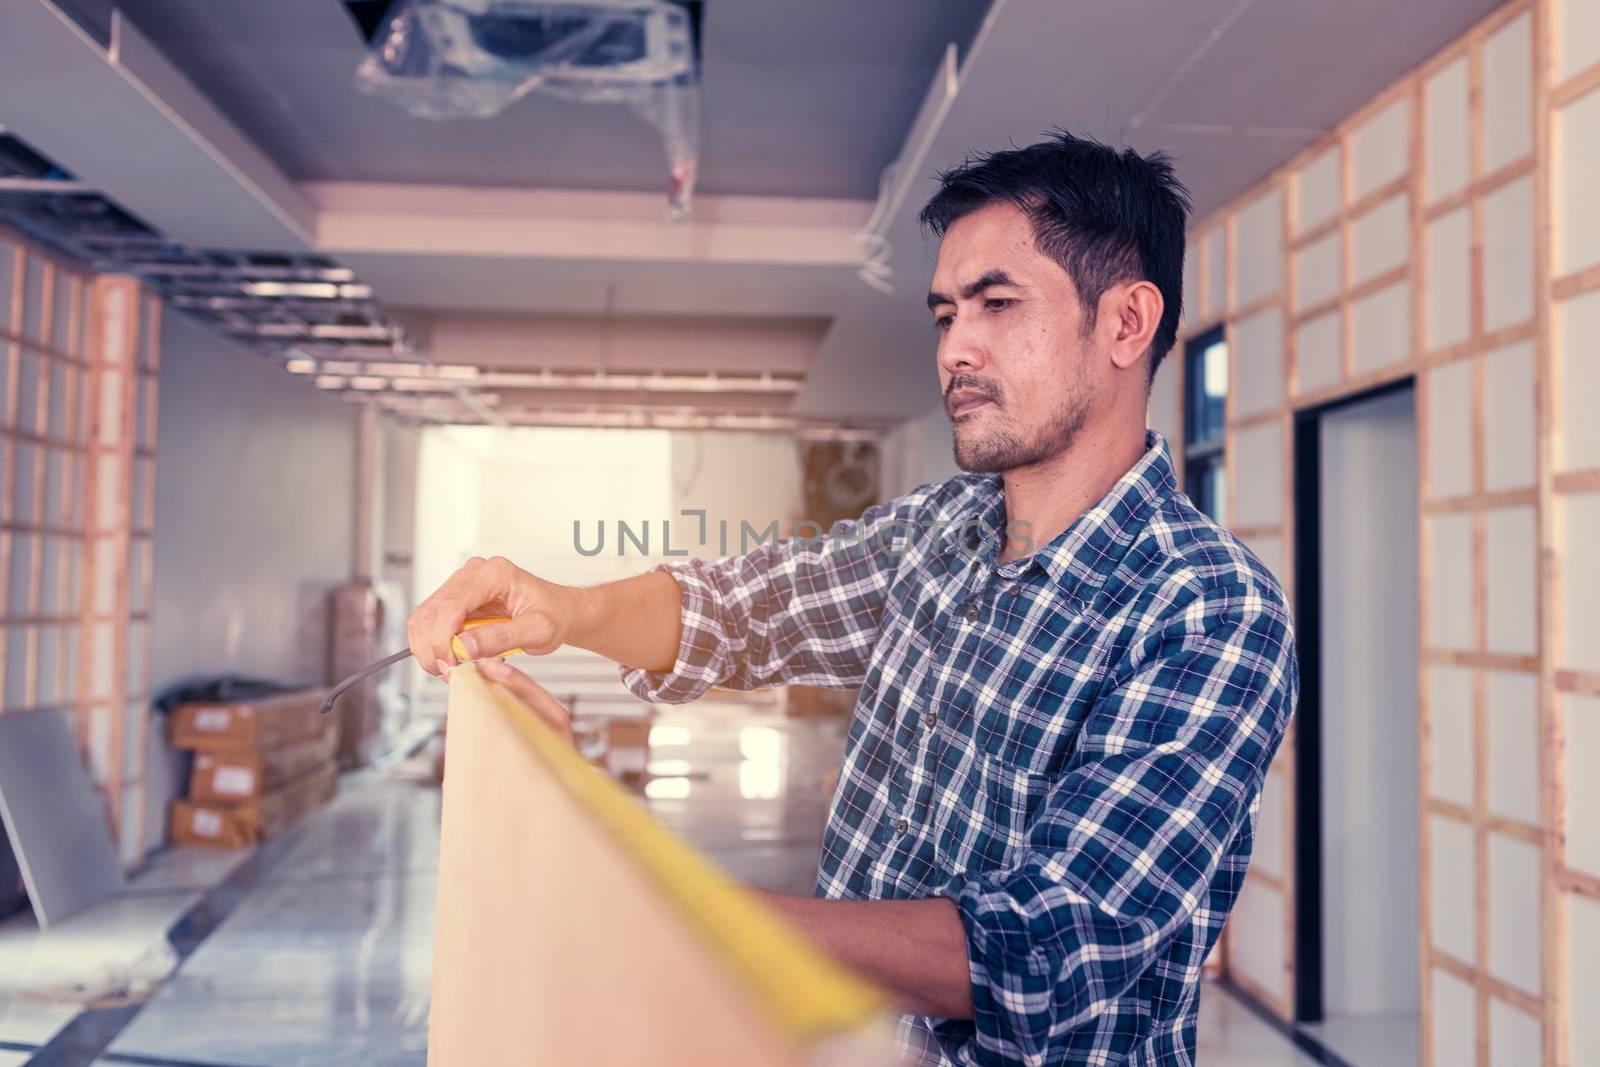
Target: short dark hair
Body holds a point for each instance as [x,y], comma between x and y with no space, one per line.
[1106,216]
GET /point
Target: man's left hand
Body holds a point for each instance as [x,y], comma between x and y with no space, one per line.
[530,694]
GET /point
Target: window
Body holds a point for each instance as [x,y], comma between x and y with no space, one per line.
[1205,409]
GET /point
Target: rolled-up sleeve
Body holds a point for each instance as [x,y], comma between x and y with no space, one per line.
[795,610]
[1124,848]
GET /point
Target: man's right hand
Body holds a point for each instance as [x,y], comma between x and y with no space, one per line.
[540,614]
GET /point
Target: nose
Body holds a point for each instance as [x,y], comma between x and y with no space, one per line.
[960,349]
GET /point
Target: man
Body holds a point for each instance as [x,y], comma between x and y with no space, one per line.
[1072,682]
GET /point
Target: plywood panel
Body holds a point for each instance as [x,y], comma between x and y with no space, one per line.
[1450,616]
[1511,746]
[1454,1029]
[1578,442]
[1380,329]
[1577,42]
[1449,430]
[1317,270]
[1258,363]
[1508,93]
[1511,555]
[1317,190]
[1447,132]
[1580,579]
[1379,148]
[1583,979]
[1515,1036]
[1381,238]
[1508,417]
[1581,814]
[1452,878]
[1451,752]
[1514,912]
[1258,252]
[1258,476]
[1449,274]
[1508,255]
[1577,161]
[1319,344]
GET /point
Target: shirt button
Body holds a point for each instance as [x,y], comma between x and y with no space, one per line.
[972,613]
[930,718]
[1015,590]
[901,826]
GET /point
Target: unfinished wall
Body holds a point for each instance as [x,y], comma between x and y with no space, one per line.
[1447,232]
[254,503]
[78,358]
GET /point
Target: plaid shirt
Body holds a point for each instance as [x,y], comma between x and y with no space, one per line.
[1069,746]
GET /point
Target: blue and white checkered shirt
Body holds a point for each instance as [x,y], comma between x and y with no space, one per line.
[1070,746]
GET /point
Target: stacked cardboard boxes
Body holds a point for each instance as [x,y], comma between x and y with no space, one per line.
[259,767]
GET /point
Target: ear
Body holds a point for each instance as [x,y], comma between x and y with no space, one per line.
[1132,314]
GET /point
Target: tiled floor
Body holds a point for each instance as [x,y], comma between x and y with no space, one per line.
[325,959]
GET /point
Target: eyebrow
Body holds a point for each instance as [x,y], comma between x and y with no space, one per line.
[988,279]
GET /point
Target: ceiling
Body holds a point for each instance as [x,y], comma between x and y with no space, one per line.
[237,125]
[799,99]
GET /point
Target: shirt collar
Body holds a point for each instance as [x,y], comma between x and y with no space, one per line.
[1084,555]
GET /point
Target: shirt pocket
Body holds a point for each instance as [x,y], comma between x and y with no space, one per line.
[992,811]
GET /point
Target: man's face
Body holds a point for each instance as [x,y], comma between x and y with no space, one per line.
[1015,368]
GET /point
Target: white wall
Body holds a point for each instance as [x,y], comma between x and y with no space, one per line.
[1369,708]
[916,451]
[254,484]
[733,477]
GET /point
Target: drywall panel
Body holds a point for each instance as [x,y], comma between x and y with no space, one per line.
[1379,148]
[1454,1029]
[1258,363]
[1449,425]
[1318,344]
[1508,417]
[1581,815]
[1577,160]
[1216,253]
[1258,476]
[1578,431]
[1446,136]
[1258,251]
[1508,255]
[1270,832]
[1317,190]
[1380,329]
[1163,414]
[1508,93]
[1583,979]
[1450,733]
[1448,573]
[1577,40]
[1511,556]
[1449,279]
[1580,579]
[1317,270]
[1515,1037]
[1255,937]
[1452,879]
[1514,912]
[1512,745]
[1381,239]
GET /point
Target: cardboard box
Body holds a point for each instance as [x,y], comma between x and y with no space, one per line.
[627,746]
[250,726]
[236,825]
[232,777]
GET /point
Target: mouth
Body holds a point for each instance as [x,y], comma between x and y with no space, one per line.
[965,402]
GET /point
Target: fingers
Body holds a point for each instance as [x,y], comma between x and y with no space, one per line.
[529,693]
[439,618]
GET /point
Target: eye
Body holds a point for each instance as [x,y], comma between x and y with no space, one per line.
[996,303]
[942,322]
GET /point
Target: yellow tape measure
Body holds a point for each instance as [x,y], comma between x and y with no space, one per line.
[472,624]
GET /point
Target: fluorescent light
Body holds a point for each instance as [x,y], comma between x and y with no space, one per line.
[314,290]
[368,383]
[329,381]
[301,366]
